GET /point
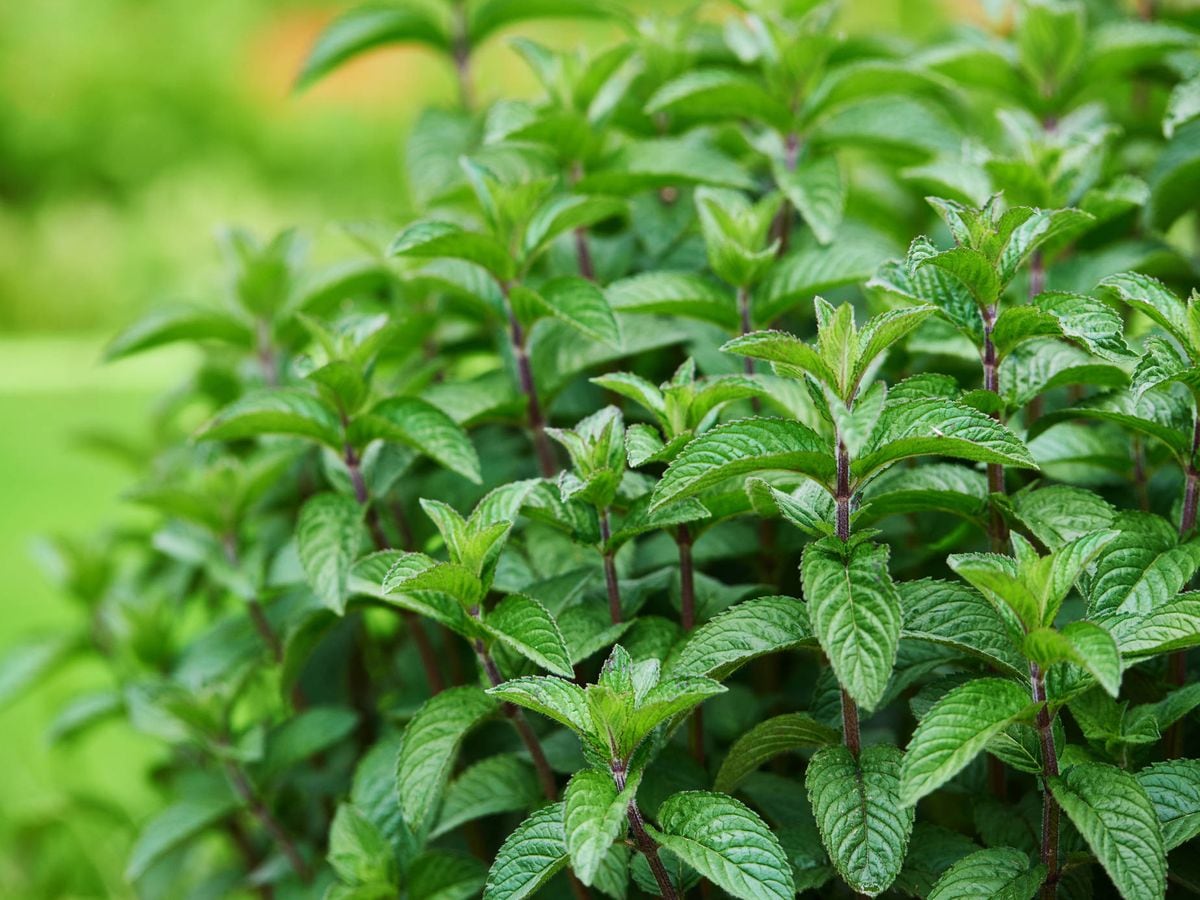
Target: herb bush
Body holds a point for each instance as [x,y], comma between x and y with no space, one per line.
[683,501]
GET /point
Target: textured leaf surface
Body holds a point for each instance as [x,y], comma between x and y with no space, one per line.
[1174,789]
[863,825]
[1143,567]
[1118,821]
[527,627]
[173,826]
[276,411]
[956,729]
[498,784]
[529,857]
[765,741]
[727,843]
[426,429]
[742,448]
[742,633]
[855,614]
[328,536]
[999,873]
[594,817]
[954,615]
[431,743]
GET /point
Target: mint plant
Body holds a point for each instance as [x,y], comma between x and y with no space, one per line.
[565,538]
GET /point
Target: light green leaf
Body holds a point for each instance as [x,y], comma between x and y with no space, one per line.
[174,826]
[674,293]
[816,188]
[1183,105]
[581,304]
[1173,625]
[373,25]
[594,816]
[956,729]
[1118,821]
[765,741]
[788,355]
[431,743]
[524,625]
[529,857]
[328,537]
[998,873]
[490,16]
[1152,298]
[564,213]
[168,326]
[707,94]
[276,411]
[1085,644]
[429,239]
[743,632]
[741,448]
[1092,322]
[855,614]
[358,852]
[23,664]
[562,701]
[1142,567]
[727,843]
[443,875]
[422,426]
[863,825]
[936,427]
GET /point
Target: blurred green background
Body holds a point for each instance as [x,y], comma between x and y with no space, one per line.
[130,130]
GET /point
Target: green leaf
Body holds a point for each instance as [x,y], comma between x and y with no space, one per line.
[1172,625]
[788,355]
[971,268]
[1022,323]
[566,212]
[743,632]
[956,729]
[727,843]
[527,627]
[580,304]
[1174,789]
[26,663]
[498,784]
[1152,298]
[937,427]
[863,825]
[306,734]
[741,448]
[1092,322]
[816,188]
[490,16]
[411,573]
[945,487]
[1118,821]
[442,875]
[358,852]
[560,700]
[422,426]
[884,330]
[328,537]
[765,741]
[1085,644]
[1142,567]
[1042,227]
[428,239]
[999,873]
[674,293]
[855,613]
[707,94]
[373,25]
[431,743]
[174,826]
[594,817]
[1183,105]
[276,411]
[168,326]
[954,615]
[664,162]
[529,857]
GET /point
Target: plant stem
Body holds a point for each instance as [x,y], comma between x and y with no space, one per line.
[747,325]
[266,353]
[1050,812]
[528,737]
[257,615]
[641,838]
[462,57]
[610,570]
[850,728]
[254,803]
[537,423]
[1177,663]
[412,621]
[586,268]
[997,527]
[687,617]
[782,226]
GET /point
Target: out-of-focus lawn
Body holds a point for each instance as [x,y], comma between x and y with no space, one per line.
[50,390]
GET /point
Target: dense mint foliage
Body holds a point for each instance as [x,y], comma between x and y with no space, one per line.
[768,464]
